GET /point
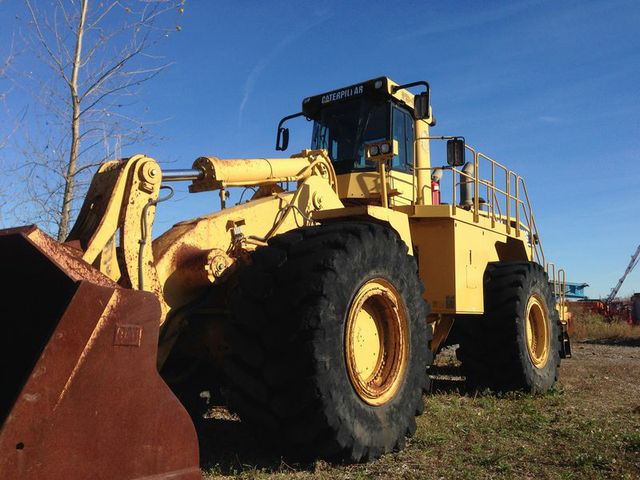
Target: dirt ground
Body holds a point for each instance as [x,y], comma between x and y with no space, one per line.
[587,427]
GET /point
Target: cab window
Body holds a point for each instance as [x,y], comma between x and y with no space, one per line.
[345,128]
[403,134]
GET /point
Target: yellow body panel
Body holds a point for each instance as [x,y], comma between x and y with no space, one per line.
[366,186]
[453,253]
[402,186]
[361,185]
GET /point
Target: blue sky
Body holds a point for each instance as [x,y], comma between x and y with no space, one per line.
[551,88]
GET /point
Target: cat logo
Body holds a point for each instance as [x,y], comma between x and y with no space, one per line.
[342,94]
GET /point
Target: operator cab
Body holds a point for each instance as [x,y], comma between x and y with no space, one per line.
[344,130]
[346,122]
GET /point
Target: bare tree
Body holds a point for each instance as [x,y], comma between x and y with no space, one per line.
[4,89]
[93,58]
[5,133]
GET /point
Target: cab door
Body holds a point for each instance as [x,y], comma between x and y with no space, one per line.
[401,178]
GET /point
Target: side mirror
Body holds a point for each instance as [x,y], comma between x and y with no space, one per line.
[282,140]
[421,106]
[455,152]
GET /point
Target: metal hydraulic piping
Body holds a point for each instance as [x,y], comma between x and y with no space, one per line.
[182,174]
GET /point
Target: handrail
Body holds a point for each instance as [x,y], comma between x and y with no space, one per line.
[504,187]
[558,280]
[536,239]
[562,280]
[511,190]
[551,270]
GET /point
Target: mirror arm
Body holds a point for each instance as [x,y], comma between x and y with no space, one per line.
[424,112]
[279,130]
[413,84]
[443,137]
[289,117]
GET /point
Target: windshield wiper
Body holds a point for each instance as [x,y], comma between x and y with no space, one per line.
[360,133]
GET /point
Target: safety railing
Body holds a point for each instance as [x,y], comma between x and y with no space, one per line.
[507,199]
[562,280]
[558,281]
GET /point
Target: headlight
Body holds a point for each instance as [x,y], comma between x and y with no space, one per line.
[374,150]
[385,148]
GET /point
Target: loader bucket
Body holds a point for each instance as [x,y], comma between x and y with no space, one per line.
[81,396]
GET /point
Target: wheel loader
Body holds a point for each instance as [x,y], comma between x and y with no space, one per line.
[315,307]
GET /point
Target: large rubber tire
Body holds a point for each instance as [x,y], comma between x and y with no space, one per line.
[493,347]
[287,371]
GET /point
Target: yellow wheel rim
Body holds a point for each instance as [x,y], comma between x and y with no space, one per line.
[537,330]
[376,342]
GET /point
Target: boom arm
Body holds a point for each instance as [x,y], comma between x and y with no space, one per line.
[121,194]
[632,264]
[120,208]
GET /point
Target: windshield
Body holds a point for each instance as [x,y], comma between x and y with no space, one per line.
[344,129]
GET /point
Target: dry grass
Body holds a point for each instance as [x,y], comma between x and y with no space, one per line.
[591,326]
[588,427]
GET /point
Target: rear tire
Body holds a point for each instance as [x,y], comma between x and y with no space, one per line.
[292,363]
[516,344]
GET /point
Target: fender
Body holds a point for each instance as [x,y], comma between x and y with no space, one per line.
[398,221]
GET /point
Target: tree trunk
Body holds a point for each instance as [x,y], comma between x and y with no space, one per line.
[67,199]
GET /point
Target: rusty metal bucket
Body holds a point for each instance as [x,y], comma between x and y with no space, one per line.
[80,394]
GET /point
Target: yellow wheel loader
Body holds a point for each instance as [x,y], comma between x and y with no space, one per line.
[316,306]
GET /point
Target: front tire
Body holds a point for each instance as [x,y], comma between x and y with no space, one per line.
[329,342]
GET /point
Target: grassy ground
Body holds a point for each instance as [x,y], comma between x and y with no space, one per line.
[587,427]
[593,326]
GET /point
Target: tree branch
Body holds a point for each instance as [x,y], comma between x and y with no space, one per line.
[44,44]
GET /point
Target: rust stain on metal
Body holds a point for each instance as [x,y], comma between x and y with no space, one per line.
[63,256]
[108,309]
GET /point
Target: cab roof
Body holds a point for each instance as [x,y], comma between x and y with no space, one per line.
[376,88]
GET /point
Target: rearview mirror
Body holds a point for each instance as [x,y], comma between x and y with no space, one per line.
[282,140]
[455,152]
[421,106]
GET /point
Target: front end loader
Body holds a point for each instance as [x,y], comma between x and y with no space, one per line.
[315,307]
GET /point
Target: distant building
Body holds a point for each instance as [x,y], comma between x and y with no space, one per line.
[575,291]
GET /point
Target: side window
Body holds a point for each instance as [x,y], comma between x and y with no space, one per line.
[403,134]
[320,139]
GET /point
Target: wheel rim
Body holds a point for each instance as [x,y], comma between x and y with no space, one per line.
[537,327]
[376,342]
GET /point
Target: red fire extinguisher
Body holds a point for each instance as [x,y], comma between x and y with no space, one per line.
[435,186]
[435,192]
